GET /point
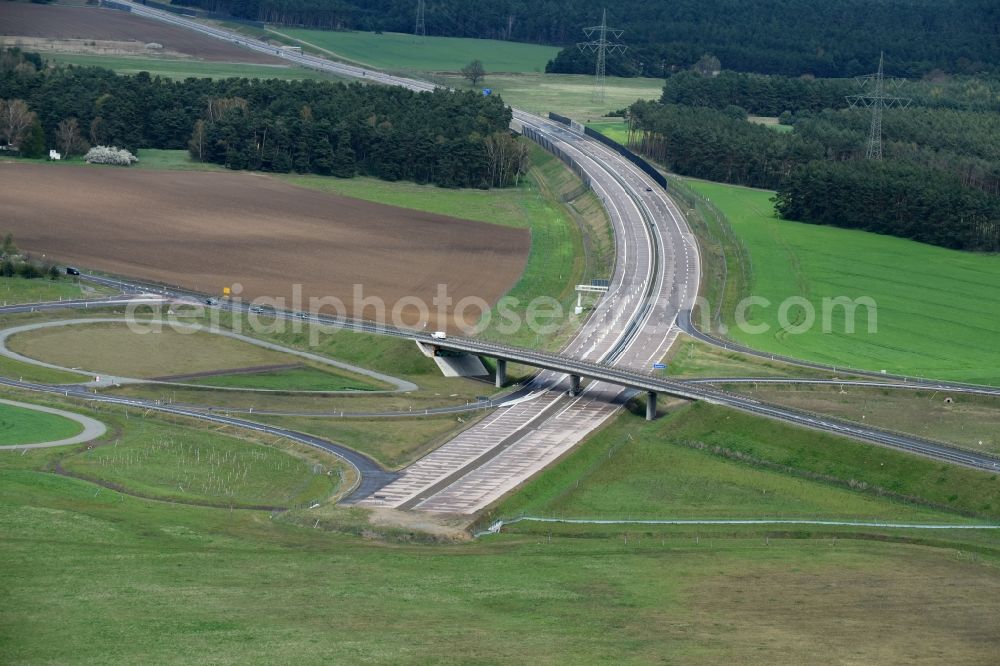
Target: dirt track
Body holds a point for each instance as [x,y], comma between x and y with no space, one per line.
[30,20]
[208,230]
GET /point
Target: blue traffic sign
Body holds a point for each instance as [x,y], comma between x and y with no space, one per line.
[659,366]
[487,92]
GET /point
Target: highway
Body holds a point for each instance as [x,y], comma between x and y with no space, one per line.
[654,285]
[543,441]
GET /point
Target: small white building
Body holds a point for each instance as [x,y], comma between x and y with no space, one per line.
[54,155]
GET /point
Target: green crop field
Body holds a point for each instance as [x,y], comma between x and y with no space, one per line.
[174,68]
[395,51]
[93,575]
[937,311]
[19,425]
[191,465]
[708,462]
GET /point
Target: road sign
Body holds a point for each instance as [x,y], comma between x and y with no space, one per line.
[487,92]
[659,366]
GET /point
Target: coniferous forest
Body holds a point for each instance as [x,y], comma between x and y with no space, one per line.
[446,138]
[790,37]
[939,182]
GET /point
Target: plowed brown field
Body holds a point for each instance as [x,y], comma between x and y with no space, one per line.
[205,231]
[30,20]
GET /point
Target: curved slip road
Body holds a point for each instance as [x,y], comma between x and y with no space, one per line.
[400,385]
[371,475]
[92,428]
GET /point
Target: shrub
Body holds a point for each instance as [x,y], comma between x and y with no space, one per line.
[110,155]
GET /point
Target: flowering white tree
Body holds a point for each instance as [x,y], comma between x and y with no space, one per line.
[109,155]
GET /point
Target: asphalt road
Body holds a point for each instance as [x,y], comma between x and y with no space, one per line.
[370,474]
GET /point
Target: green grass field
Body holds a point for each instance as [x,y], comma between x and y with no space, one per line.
[192,465]
[33,373]
[395,51]
[92,575]
[305,378]
[19,425]
[569,94]
[114,348]
[937,313]
[613,128]
[770,122]
[15,290]
[172,160]
[173,68]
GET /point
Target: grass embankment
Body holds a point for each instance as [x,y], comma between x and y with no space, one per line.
[176,583]
[183,68]
[937,312]
[19,425]
[969,422]
[401,52]
[690,358]
[173,354]
[708,462]
[393,442]
[16,290]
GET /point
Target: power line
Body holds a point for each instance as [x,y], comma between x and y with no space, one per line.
[602,47]
[420,30]
[877,100]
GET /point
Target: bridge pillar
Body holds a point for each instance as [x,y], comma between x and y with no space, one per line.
[574,384]
[501,372]
[650,405]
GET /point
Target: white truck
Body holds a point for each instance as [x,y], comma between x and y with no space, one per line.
[439,335]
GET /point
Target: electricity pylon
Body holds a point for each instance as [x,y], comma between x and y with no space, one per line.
[602,47]
[877,100]
[420,30]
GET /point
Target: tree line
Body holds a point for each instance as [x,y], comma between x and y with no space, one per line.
[902,200]
[790,37]
[452,139]
[942,165]
[765,95]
